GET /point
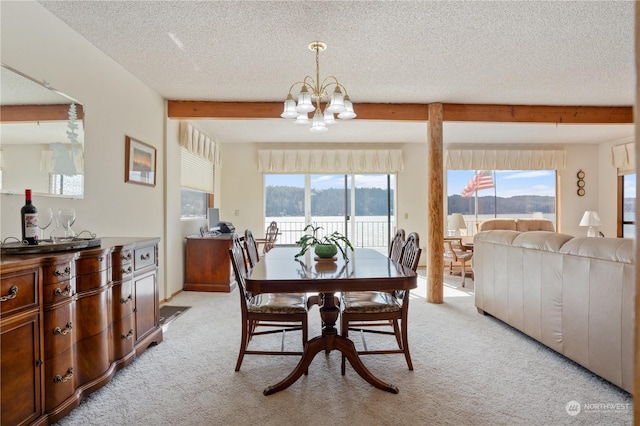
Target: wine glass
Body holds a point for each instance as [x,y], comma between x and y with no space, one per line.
[48,218]
[63,231]
[67,218]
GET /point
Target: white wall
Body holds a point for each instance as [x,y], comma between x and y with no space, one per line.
[38,44]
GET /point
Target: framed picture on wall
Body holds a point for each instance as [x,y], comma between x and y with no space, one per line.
[140,162]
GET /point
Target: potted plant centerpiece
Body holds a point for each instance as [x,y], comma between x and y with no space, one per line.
[325,247]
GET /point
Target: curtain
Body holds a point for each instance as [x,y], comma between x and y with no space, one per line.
[498,158]
[623,157]
[196,142]
[330,161]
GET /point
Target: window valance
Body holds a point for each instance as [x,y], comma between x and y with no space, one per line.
[196,142]
[459,158]
[330,161]
[623,157]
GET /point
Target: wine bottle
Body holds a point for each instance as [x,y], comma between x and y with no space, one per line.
[29,214]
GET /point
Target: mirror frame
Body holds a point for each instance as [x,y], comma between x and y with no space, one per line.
[23,106]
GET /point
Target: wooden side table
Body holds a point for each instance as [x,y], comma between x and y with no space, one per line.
[208,267]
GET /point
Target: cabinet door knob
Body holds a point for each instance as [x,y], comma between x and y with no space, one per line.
[65,273]
[13,293]
[64,331]
[65,378]
[66,292]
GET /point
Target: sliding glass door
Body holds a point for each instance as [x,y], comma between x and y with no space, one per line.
[362,207]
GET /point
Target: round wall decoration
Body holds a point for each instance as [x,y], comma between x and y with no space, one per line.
[580,176]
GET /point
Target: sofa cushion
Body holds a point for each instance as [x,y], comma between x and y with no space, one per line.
[541,240]
[615,249]
[524,225]
[490,224]
[498,236]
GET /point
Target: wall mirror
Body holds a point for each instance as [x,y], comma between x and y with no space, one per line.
[41,138]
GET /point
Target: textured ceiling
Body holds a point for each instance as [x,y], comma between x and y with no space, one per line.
[507,52]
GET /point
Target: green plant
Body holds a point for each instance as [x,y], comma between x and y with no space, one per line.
[312,239]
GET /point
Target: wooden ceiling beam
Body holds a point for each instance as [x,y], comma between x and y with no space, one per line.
[538,114]
[417,112]
[35,113]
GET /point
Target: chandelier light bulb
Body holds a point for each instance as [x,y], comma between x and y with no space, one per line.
[316,91]
[336,104]
[304,101]
[302,118]
[329,119]
[348,112]
[289,108]
[318,125]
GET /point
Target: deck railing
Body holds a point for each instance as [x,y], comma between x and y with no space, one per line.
[373,234]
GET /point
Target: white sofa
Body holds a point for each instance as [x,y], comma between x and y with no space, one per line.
[574,295]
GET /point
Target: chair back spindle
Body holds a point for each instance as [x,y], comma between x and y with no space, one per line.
[251,248]
[411,251]
[395,251]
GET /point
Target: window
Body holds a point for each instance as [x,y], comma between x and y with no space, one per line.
[627,206]
[196,180]
[485,194]
[66,185]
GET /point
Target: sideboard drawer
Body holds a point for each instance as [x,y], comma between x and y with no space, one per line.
[144,256]
[58,272]
[56,292]
[91,264]
[122,300]
[18,291]
[59,333]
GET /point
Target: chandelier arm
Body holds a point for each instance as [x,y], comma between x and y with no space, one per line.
[334,81]
[311,85]
[301,82]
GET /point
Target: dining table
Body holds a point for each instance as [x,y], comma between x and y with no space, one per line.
[279,271]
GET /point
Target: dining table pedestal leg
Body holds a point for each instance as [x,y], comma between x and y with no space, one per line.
[328,341]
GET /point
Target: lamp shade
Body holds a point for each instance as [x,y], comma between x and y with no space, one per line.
[302,119]
[317,125]
[304,101]
[348,112]
[590,218]
[457,221]
[289,108]
[336,103]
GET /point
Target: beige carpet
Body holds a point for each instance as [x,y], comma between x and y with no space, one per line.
[469,370]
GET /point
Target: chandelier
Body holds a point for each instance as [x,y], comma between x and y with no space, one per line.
[313,92]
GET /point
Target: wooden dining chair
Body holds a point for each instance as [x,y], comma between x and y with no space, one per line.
[367,311]
[395,250]
[456,255]
[251,248]
[275,313]
[270,237]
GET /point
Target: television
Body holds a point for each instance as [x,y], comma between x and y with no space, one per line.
[214,219]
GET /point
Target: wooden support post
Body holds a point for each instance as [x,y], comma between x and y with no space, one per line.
[435,225]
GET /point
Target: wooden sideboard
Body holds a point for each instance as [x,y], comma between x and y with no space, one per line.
[208,266]
[69,320]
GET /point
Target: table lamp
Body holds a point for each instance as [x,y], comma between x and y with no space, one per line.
[590,219]
[456,222]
